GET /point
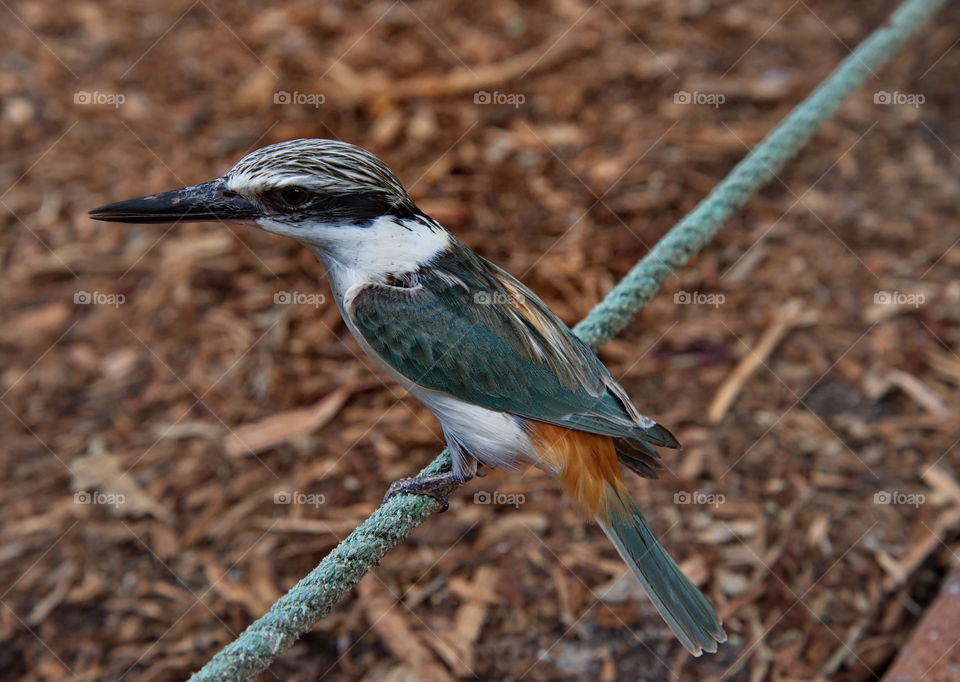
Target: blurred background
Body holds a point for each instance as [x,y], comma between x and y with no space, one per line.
[188,427]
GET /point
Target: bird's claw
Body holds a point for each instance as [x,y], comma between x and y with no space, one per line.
[438,487]
[418,486]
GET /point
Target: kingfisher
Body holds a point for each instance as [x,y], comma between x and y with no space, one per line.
[508,381]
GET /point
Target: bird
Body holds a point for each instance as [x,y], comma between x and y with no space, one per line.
[510,384]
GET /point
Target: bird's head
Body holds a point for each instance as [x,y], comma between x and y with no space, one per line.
[324,193]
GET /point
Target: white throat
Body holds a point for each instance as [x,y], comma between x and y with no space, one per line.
[387,246]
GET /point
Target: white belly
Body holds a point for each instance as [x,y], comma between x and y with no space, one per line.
[496,439]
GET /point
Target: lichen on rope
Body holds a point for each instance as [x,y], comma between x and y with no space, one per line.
[315,595]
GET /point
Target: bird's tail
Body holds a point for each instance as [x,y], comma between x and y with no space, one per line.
[589,470]
[682,605]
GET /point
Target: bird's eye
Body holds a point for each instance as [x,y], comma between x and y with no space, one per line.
[294,196]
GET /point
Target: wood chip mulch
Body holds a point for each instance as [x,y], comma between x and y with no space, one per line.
[180,445]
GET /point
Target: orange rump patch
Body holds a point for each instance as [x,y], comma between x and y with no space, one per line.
[585,463]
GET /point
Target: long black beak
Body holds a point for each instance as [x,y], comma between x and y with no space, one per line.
[206,201]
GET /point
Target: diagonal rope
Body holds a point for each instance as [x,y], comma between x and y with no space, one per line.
[315,595]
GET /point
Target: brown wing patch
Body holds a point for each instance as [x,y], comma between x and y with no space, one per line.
[519,302]
[586,464]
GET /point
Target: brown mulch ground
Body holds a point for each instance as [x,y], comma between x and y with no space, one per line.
[814,377]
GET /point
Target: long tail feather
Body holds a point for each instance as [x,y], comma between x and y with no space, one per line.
[589,470]
[682,605]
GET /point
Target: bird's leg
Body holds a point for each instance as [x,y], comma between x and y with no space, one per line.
[438,486]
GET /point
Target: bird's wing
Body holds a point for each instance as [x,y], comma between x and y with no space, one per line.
[470,330]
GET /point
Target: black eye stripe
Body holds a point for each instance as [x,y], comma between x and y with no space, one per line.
[293,195]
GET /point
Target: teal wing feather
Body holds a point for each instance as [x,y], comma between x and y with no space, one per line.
[472,331]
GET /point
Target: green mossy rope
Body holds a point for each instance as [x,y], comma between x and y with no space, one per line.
[313,597]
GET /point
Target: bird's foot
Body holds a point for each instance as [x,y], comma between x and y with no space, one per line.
[438,486]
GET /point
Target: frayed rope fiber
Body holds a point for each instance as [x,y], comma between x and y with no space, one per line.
[315,595]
